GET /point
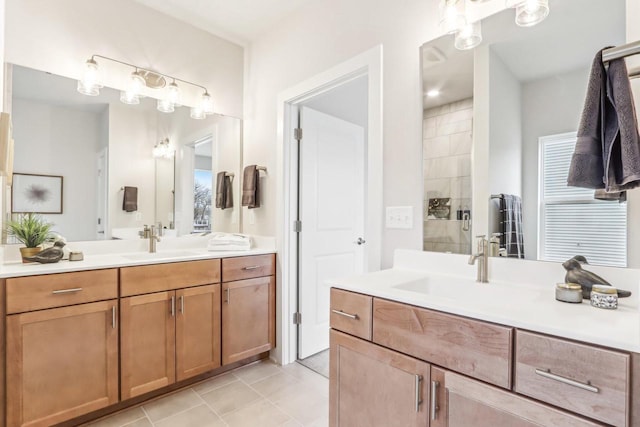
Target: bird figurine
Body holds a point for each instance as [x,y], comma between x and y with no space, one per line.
[49,255]
[585,278]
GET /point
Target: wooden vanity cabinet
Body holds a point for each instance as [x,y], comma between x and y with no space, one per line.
[171,335]
[248,306]
[62,363]
[462,402]
[376,387]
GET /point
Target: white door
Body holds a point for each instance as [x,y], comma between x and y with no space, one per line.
[102,183]
[332,211]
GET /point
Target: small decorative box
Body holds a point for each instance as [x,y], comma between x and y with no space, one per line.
[604,297]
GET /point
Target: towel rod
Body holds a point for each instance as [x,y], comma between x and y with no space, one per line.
[231,174]
[261,168]
[621,51]
[497,196]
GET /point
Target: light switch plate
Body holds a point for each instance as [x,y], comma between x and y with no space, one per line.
[399,217]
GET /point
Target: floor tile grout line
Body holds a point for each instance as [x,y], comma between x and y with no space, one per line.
[175,413]
[211,407]
[146,415]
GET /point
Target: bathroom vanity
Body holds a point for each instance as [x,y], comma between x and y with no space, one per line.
[413,347]
[124,331]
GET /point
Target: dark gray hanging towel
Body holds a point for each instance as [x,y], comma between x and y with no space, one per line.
[224,191]
[511,224]
[251,187]
[607,153]
[228,192]
[130,199]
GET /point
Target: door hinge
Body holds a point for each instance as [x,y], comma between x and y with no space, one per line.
[297,318]
[297,226]
[297,134]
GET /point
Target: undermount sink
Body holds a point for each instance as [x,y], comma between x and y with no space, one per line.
[159,255]
[463,288]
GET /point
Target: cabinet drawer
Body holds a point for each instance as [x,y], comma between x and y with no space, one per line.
[247,267]
[591,381]
[471,347]
[58,290]
[146,279]
[351,313]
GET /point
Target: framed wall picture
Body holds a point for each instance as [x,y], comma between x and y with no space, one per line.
[36,194]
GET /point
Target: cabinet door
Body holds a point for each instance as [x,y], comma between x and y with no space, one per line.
[248,318]
[464,402]
[61,363]
[373,386]
[197,330]
[147,334]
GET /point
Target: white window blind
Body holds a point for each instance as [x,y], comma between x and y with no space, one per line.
[572,222]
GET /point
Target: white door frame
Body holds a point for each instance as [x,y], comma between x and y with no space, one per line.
[370,64]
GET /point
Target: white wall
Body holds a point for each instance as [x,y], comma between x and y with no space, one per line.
[132,135]
[564,95]
[58,36]
[52,140]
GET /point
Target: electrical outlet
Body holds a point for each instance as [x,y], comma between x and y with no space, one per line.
[399,217]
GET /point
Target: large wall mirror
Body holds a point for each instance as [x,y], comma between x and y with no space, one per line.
[99,146]
[500,125]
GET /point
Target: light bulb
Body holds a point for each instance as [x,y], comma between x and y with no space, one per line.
[165,106]
[89,84]
[206,103]
[172,94]
[452,15]
[197,113]
[529,12]
[469,36]
[134,89]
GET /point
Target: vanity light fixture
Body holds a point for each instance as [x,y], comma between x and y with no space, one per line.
[469,36]
[529,12]
[452,15]
[163,150]
[89,84]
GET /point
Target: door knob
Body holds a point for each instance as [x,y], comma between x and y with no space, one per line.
[360,241]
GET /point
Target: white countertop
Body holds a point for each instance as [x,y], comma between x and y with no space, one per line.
[119,253]
[526,306]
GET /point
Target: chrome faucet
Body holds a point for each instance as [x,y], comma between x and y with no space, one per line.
[150,233]
[483,265]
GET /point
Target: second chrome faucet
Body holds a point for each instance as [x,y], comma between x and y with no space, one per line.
[483,254]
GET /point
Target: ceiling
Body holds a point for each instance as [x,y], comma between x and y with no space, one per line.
[347,101]
[567,40]
[240,21]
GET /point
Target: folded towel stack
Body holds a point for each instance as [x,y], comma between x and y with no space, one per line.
[229,242]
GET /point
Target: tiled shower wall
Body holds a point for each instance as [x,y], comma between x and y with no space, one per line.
[447,173]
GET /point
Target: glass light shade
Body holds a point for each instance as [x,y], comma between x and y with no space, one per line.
[197,113]
[163,150]
[165,106]
[134,89]
[452,15]
[529,12]
[127,97]
[172,94]
[89,84]
[469,36]
[206,103]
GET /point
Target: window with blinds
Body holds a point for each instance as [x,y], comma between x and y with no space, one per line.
[572,222]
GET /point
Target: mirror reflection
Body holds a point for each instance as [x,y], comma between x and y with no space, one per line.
[101,147]
[500,126]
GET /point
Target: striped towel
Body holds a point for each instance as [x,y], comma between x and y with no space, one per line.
[511,225]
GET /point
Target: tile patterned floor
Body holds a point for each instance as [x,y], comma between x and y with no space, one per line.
[259,395]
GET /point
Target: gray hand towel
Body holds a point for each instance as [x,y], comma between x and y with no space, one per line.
[251,187]
[621,137]
[587,166]
[220,190]
[130,199]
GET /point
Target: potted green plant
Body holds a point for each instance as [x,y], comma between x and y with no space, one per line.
[31,230]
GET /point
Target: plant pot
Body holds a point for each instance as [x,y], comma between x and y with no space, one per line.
[29,252]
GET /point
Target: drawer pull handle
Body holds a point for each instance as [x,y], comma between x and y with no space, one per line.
[418,394]
[434,400]
[253,267]
[547,374]
[66,291]
[342,313]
